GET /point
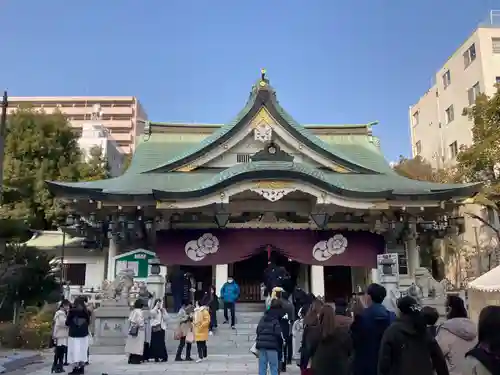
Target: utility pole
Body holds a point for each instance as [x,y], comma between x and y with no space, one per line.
[3,125]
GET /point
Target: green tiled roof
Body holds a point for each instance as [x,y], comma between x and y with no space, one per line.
[152,172]
[203,180]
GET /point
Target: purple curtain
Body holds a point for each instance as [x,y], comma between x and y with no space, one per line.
[220,246]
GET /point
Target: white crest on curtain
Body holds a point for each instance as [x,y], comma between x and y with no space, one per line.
[324,250]
[205,245]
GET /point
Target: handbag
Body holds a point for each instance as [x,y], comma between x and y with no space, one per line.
[133,330]
[190,337]
[254,350]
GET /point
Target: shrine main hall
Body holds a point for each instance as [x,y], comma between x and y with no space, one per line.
[221,200]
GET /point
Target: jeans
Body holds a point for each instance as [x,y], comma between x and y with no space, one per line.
[213,319]
[268,357]
[230,306]
[183,343]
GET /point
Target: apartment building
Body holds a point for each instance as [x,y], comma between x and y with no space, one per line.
[438,126]
[122,116]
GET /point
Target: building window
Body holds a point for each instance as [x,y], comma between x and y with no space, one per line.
[243,158]
[472,93]
[74,273]
[469,55]
[446,79]
[450,114]
[495,43]
[454,149]
[415,118]
[418,147]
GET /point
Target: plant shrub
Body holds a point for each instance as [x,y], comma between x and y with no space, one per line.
[34,331]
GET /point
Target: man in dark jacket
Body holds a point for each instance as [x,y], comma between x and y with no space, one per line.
[269,339]
[370,322]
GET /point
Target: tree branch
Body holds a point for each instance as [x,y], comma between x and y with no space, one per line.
[485,222]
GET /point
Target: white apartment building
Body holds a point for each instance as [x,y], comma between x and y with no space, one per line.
[438,128]
[123,116]
[95,134]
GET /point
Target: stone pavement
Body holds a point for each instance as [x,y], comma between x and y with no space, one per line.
[234,364]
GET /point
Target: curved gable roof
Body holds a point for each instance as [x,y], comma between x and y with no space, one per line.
[264,96]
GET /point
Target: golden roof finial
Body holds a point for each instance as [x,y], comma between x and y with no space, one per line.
[263,74]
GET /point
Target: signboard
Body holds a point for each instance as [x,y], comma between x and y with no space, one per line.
[137,260]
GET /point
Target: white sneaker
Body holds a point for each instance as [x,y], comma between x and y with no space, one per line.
[211,333]
[199,360]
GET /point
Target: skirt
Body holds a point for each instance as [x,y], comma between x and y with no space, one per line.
[157,349]
[78,349]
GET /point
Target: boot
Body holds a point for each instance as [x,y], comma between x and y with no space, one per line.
[283,366]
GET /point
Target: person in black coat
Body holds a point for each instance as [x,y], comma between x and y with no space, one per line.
[407,347]
[78,322]
[211,300]
[269,339]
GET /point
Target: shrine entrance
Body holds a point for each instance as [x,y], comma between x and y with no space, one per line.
[249,273]
[202,276]
[338,282]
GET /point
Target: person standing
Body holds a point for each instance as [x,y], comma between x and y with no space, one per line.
[269,339]
[78,322]
[159,316]
[407,348]
[371,319]
[457,335]
[184,331]
[484,359]
[332,348]
[286,328]
[60,336]
[134,345]
[312,330]
[230,293]
[211,300]
[201,323]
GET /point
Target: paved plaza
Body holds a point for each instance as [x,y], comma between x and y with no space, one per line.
[237,364]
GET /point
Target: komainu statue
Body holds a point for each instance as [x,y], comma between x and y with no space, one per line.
[120,287]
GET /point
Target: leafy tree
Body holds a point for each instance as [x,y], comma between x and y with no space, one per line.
[419,169]
[96,166]
[26,276]
[126,162]
[40,147]
[480,162]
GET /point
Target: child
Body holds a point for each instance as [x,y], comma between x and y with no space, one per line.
[431,317]
[201,325]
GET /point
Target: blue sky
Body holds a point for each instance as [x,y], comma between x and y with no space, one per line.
[331,61]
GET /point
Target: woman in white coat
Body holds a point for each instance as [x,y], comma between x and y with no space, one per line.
[134,345]
[60,336]
[157,348]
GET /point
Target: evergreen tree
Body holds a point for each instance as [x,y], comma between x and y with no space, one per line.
[41,147]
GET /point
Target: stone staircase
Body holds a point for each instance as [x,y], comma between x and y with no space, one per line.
[226,340]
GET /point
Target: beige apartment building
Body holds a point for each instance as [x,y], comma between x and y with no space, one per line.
[123,116]
[438,126]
